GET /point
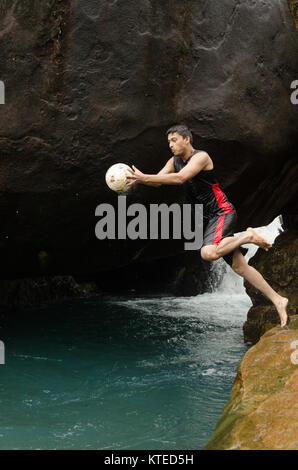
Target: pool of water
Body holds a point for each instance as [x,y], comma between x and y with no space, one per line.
[120,372]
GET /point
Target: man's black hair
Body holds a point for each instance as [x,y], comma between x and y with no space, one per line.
[182,130]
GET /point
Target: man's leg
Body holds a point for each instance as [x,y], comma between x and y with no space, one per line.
[228,244]
[253,276]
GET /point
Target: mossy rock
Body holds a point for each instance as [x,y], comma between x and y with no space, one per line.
[262,413]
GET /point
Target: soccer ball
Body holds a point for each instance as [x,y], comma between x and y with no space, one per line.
[116,177]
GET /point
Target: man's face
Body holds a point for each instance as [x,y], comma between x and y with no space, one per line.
[177,143]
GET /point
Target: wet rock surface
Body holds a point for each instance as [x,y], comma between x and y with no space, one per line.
[262,413]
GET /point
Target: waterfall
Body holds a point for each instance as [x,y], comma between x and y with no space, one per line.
[231,283]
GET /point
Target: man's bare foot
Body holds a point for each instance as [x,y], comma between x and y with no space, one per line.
[258,240]
[281,307]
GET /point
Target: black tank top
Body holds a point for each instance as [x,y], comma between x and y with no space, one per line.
[204,189]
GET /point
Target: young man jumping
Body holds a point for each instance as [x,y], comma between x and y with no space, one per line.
[194,169]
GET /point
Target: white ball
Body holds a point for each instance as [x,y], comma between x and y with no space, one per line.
[116,177]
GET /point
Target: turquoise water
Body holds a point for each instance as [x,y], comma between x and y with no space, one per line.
[123,372]
[120,372]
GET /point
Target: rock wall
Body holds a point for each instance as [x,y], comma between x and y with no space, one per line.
[20,294]
[179,275]
[262,413]
[92,82]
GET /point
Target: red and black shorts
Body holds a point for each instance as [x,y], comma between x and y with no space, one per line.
[219,227]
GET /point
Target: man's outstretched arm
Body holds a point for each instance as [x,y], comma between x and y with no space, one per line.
[193,167]
[168,168]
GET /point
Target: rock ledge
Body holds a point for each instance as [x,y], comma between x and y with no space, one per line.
[262,413]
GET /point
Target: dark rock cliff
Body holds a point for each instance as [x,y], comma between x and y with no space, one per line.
[90,82]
